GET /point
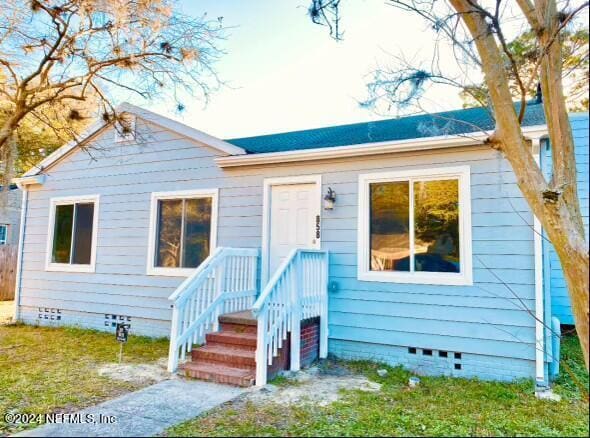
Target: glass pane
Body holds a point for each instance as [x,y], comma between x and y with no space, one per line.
[390,231]
[3,233]
[197,231]
[62,233]
[168,238]
[436,233]
[83,234]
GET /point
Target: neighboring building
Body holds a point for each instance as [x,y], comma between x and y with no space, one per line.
[433,260]
[10,215]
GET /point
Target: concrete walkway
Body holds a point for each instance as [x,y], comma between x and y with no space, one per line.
[146,412]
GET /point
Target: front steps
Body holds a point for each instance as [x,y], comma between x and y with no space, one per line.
[229,354]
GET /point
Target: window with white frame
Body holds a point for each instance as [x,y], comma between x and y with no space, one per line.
[3,234]
[415,226]
[182,231]
[72,233]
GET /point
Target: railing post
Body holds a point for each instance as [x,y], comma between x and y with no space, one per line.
[173,353]
[324,307]
[261,349]
[220,280]
[296,275]
[254,273]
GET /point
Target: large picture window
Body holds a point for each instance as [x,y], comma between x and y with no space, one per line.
[415,227]
[72,234]
[182,231]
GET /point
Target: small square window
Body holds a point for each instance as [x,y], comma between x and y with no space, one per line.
[457,366]
[412,350]
[3,234]
[125,128]
[427,352]
[457,355]
[443,354]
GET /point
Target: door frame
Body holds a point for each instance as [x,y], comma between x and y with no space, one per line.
[268,184]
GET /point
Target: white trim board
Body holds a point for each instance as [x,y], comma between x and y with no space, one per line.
[268,184]
[539,287]
[149,116]
[70,267]
[357,150]
[465,277]
[181,194]
[19,258]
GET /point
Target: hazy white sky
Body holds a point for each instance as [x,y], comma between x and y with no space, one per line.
[287,73]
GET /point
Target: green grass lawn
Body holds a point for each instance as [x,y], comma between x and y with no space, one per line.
[45,370]
[439,406]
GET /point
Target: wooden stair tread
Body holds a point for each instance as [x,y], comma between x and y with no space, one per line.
[215,367]
[244,339]
[226,350]
[229,355]
[241,318]
[216,372]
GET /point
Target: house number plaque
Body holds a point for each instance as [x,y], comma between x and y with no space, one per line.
[317,226]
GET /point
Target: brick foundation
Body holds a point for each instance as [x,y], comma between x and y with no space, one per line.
[310,348]
[310,341]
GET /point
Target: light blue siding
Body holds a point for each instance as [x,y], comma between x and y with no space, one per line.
[489,324]
[554,279]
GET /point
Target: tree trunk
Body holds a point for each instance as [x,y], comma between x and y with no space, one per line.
[7,157]
[566,227]
[575,268]
[556,206]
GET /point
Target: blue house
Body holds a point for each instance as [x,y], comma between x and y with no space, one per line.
[554,282]
[405,241]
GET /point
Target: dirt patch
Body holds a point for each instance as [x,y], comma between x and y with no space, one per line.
[6,312]
[317,385]
[136,373]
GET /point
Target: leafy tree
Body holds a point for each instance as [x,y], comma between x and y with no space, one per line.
[525,52]
[60,52]
[476,33]
[43,131]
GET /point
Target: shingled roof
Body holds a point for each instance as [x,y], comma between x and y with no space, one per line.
[403,128]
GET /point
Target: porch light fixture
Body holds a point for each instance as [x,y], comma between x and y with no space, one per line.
[329,199]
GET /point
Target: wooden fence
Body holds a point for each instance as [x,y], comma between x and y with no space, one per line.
[7,271]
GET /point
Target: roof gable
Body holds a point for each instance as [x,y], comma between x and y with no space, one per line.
[149,116]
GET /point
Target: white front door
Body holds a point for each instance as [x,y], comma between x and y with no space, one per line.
[294,220]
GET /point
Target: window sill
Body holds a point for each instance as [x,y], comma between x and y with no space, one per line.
[412,278]
[64,267]
[171,272]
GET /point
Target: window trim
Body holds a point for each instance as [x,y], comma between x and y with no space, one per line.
[151,269]
[69,200]
[465,277]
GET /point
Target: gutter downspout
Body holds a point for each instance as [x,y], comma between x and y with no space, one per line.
[539,290]
[21,244]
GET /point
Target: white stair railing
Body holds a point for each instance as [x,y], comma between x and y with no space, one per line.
[225,282]
[297,291]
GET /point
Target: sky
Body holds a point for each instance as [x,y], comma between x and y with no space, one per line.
[285,73]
